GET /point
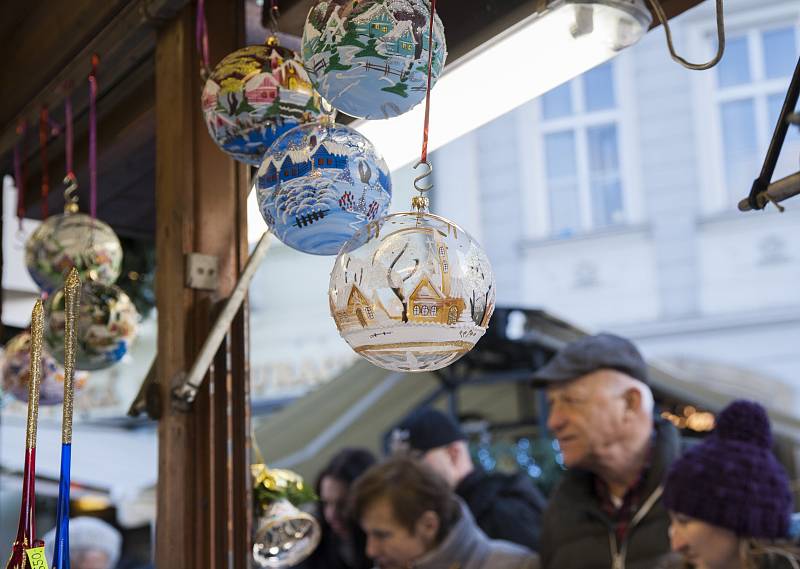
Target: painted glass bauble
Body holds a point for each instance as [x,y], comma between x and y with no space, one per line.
[412,292]
[107,325]
[253,96]
[369,59]
[72,240]
[319,184]
[16,369]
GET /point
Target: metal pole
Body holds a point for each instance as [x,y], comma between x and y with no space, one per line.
[184,394]
[776,192]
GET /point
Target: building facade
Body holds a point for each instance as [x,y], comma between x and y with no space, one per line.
[611,200]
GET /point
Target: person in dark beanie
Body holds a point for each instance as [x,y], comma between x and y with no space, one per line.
[607,510]
[729,497]
[343,544]
[504,506]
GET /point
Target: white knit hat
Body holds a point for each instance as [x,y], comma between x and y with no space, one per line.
[87,533]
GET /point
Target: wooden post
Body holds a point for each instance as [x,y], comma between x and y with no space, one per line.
[204,513]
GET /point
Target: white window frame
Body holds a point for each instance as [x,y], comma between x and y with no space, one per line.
[714,195]
[532,128]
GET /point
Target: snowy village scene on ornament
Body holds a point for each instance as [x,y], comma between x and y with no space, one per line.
[412,292]
[370,59]
[253,96]
[319,184]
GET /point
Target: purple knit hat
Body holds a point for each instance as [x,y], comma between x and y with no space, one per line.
[732,479]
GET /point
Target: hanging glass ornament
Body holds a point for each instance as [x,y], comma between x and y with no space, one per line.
[16,370]
[107,325]
[369,59]
[254,95]
[69,240]
[319,183]
[412,292]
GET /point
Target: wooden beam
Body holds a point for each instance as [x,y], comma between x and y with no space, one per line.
[203,485]
[121,32]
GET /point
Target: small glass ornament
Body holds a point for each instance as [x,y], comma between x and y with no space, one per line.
[412,292]
[107,325]
[254,95]
[69,240]
[319,184]
[16,370]
[369,59]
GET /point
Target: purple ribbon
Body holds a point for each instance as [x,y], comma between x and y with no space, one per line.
[201,33]
[93,137]
[68,132]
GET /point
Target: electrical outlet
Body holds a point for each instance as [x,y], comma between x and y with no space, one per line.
[202,271]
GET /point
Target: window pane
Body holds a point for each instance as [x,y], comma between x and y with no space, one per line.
[734,68]
[604,177]
[598,85]
[740,150]
[557,102]
[562,183]
[787,161]
[780,52]
[774,104]
[560,155]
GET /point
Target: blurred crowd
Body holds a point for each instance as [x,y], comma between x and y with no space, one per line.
[634,494]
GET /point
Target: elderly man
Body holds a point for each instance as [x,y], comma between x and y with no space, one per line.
[504,506]
[607,510]
[412,519]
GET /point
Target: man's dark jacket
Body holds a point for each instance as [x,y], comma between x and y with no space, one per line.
[505,506]
[578,534]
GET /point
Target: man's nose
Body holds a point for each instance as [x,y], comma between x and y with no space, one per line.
[555,419]
[372,548]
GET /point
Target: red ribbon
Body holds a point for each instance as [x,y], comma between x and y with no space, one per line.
[20,170]
[44,132]
[424,157]
[93,136]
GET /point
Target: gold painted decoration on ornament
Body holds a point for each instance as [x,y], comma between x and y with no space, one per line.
[412,292]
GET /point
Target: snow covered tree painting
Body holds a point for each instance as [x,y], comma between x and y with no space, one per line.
[369,59]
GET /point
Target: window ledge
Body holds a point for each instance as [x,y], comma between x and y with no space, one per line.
[592,234]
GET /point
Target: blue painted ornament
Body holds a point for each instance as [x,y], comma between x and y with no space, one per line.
[253,96]
[369,59]
[319,184]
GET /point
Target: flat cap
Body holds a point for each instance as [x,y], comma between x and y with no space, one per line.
[589,354]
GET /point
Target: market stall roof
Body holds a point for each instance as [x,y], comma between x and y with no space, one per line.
[359,407]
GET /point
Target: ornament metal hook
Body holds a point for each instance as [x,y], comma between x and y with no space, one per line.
[328,112]
[420,202]
[70,193]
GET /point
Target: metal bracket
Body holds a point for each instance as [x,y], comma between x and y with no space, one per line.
[202,271]
[188,385]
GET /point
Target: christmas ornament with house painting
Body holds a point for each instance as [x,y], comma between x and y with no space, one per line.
[369,58]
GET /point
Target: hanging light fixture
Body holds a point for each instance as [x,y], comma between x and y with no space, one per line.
[615,24]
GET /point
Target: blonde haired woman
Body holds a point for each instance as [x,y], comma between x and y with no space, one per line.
[729,497]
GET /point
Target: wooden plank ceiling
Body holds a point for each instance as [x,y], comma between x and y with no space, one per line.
[48,45]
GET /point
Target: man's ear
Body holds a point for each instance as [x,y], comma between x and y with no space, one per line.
[633,399]
[453,452]
[427,526]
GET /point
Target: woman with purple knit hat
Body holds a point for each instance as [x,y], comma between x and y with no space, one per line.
[729,497]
